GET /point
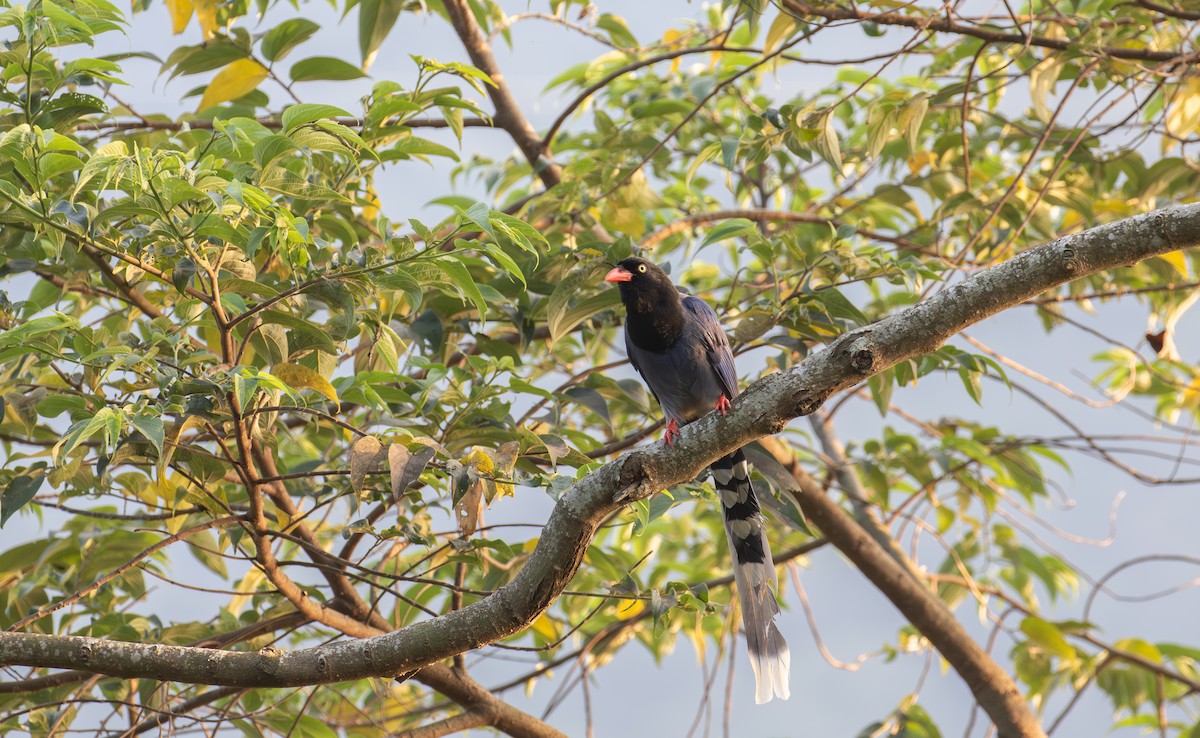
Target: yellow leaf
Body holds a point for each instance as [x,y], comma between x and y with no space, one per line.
[232,82]
[481,460]
[920,160]
[181,13]
[716,55]
[779,31]
[628,221]
[506,459]
[301,377]
[1177,261]
[630,610]
[671,41]
[546,627]
[206,13]
[172,441]
[1071,219]
[1190,397]
[245,587]
[371,209]
[1183,110]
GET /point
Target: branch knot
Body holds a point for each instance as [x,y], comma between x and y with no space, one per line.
[1162,221]
[269,661]
[1070,259]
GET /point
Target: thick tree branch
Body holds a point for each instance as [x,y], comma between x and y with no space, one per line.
[448,726]
[765,408]
[508,113]
[478,700]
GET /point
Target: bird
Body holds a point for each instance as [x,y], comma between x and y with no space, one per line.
[677,345]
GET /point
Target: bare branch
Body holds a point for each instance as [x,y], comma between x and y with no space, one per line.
[267,121]
[839,13]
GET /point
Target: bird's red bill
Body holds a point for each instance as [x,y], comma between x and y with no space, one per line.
[618,274]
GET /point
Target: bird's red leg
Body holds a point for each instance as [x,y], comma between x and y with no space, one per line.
[723,405]
[672,432]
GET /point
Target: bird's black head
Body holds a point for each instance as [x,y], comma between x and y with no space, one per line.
[653,305]
[642,282]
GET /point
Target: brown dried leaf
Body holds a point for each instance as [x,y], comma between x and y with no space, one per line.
[365,455]
[398,457]
[469,510]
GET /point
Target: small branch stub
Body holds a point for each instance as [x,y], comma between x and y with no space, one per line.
[862,359]
[1070,260]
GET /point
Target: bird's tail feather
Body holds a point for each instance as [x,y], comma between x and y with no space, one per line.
[754,573]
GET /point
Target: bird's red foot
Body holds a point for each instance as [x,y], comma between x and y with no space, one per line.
[723,405]
[672,432]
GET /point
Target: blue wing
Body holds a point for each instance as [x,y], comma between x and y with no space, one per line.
[716,344]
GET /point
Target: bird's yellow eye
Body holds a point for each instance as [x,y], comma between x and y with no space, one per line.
[642,268]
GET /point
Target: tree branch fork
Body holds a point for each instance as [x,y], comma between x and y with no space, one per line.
[766,407]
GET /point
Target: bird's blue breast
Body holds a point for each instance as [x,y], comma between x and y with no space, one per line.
[681,377]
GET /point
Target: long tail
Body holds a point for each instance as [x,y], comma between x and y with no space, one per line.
[754,573]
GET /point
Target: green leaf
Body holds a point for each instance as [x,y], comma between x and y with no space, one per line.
[753,324]
[1142,648]
[68,107]
[244,388]
[972,383]
[181,275]
[297,115]
[412,146]
[324,67]
[203,58]
[150,426]
[107,420]
[562,314]
[618,30]
[290,184]
[707,154]
[505,262]
[375,21]
[478,213]
[18,493]
[268,149]
[462,280]
[286,36]
[729,149]
[53,164]
[912,115]
[731,228]
[826,142]
[1046,636]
